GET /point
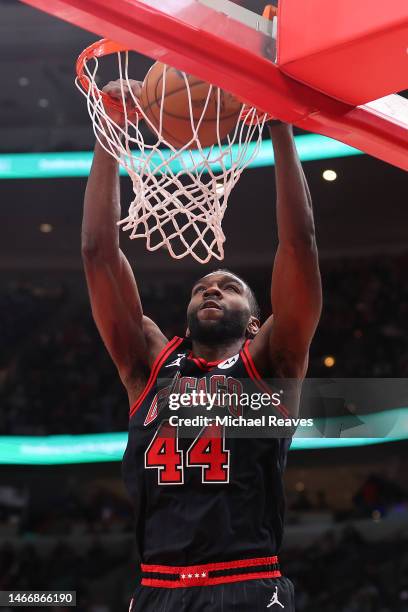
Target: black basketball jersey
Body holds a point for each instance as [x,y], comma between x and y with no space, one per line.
[206,498]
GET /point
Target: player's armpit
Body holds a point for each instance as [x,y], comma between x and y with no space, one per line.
[282,344]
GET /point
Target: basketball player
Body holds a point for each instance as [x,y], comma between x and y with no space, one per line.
[209,510]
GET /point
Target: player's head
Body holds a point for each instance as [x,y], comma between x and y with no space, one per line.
[222,307]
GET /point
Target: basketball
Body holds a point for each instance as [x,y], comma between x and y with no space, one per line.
[176,126]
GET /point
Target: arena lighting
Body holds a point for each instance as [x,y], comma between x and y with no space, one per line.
[95,448]
[219,188]
[76,164]
[329,175]
[46,228]
[43,102]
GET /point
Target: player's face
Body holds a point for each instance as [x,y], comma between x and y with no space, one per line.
[219,309]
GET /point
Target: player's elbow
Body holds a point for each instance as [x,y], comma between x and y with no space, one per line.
[89,250]
[307,241]
[302,243]
[91,255]
[93,250]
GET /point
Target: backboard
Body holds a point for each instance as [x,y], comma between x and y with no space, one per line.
[231,46]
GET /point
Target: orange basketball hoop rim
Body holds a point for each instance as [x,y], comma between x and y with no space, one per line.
[98,49]
[104,47]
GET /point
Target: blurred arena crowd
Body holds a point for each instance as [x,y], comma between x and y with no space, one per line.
[79,536]
[56,377]
[334,574]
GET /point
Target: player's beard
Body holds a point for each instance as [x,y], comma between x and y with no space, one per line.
[232,326]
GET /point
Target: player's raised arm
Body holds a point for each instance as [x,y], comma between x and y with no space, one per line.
[132,340]
[296,285]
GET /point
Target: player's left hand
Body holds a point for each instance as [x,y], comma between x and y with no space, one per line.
[129,90]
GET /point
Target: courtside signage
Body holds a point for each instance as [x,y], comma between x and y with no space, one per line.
[78,163]
[93,448]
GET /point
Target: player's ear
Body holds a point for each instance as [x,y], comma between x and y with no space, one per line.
[252,327]
[187,333]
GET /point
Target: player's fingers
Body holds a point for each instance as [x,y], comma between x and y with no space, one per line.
[116,89]
[136,95]
[136,87]
[129,96]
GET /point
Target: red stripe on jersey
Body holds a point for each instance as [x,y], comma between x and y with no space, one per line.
[223,565]
[203,364]
[198,575]
[174,584]
[256,377]
[197,362]
[158,362]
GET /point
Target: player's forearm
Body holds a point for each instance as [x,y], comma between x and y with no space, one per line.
[294,206]
[100,235]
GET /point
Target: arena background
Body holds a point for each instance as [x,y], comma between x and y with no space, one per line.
[70,526]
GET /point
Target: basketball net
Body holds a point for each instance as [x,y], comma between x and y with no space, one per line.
[180,194]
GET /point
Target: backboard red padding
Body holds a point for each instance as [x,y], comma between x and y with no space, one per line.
[353,50]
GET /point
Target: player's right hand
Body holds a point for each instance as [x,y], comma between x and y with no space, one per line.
[114,90]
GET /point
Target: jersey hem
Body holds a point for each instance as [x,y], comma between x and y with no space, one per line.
[169,584]
[208,574]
